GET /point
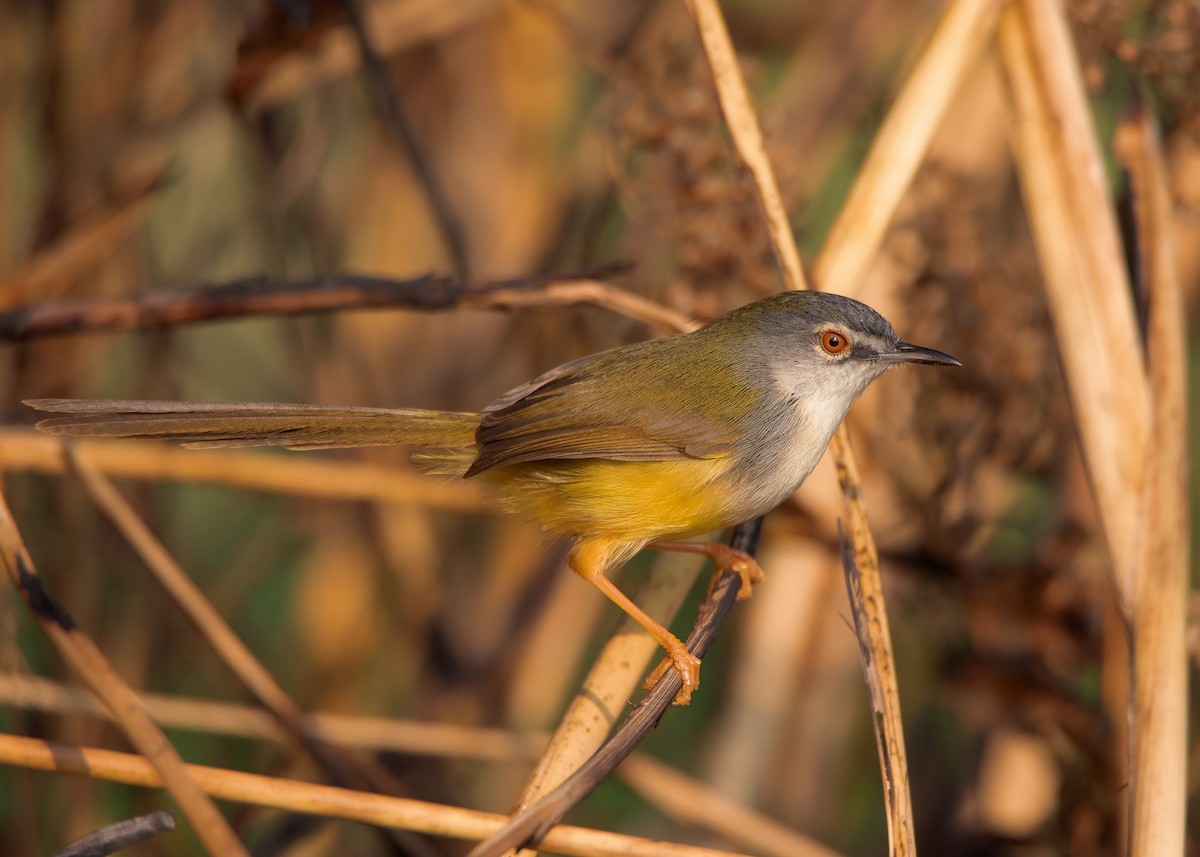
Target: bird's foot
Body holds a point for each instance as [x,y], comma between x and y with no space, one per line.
[726,558]
[683,662]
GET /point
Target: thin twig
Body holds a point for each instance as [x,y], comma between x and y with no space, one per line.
[532,825]
[387,102]
[327,801]
[94,670]
[264,295]
[113,837]
[345,769]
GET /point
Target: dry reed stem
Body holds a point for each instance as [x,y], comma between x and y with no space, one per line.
[744,130]
[94,670]
[676,794]
[693,803]
[297,475]
[328,801]
[1159,696]
[899,147]
[344,768]
[246,721]
[1072,217]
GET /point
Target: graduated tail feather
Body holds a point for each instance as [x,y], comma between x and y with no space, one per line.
[449,435]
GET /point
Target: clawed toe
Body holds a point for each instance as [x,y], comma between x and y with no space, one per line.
[688,667]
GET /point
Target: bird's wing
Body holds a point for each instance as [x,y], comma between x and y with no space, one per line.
[623,405]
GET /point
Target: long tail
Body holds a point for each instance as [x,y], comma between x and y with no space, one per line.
[212,424]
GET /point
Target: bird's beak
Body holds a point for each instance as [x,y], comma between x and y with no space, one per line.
[905,353]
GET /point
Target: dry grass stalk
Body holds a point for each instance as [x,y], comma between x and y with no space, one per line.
[1159,721]
[328,801]
[694,803]
[344,768]
[900,145]
[1074,228]
[247,721]
[298,475]
[95,671]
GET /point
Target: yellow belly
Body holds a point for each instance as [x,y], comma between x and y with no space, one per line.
[623,500]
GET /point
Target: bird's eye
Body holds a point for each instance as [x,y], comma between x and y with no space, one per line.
[834,342]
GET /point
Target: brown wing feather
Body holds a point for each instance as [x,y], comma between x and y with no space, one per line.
[628,404]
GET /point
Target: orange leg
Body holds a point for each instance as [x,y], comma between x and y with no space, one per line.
[723,557]
[588,559]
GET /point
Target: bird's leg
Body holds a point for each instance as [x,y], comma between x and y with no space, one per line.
[723,557]
[588,559]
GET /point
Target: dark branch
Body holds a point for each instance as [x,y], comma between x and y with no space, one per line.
[530,826]
[387,102]
[258,295]
[114,837]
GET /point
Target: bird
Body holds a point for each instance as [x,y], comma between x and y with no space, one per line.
[644,445]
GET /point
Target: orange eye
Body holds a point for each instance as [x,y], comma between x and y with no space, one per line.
[834,342]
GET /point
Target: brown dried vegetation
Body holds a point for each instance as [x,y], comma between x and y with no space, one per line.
[149,146]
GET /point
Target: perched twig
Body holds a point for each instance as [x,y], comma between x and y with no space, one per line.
[613,677]
[532,825]
[327,801]
[387,102]
[114,837]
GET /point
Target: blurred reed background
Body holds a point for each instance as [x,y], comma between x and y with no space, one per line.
[147,146]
